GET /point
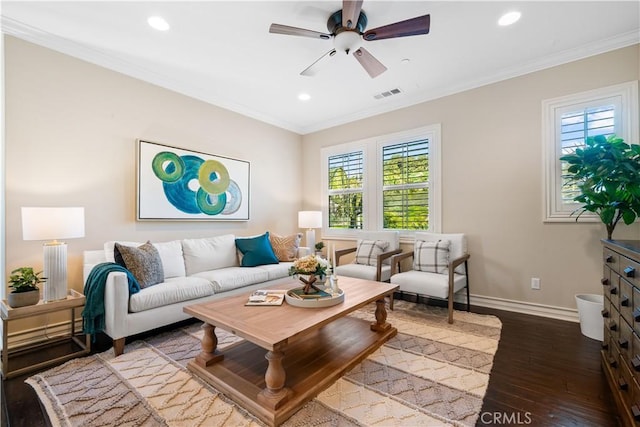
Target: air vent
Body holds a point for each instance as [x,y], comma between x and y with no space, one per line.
[387,93]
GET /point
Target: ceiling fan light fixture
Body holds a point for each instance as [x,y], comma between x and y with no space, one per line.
[347,41]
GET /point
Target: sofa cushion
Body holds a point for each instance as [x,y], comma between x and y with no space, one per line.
[431,257]
[256,251]
[209,253]
[225,279]
[285,247]
[143,262]
[277,271]
[368,251]
[171,291]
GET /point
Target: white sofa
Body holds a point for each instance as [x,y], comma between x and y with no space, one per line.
[195,270]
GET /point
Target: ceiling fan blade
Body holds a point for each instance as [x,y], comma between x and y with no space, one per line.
[350,13]
[369,62]
[294,31]
[410,27]
[312,69]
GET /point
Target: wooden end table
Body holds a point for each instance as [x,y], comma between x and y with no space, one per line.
[75,300]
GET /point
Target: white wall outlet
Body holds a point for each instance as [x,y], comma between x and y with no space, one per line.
[535,283]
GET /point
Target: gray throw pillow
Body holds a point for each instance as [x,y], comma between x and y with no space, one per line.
[143,262]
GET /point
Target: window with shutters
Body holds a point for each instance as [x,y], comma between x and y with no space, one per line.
[345,190]
[405,185]
[389,182]
[567,122]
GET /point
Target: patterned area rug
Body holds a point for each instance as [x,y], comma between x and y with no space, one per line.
[430,374]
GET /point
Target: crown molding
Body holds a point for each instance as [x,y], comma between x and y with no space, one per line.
[96,56]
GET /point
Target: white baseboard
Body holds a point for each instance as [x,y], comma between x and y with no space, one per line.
[553,312]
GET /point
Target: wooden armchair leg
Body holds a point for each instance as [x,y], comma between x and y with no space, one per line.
[391,301]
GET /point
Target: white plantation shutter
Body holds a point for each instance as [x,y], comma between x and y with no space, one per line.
[345,190]
[405,185]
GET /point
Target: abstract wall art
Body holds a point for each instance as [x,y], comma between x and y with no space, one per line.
[179,184]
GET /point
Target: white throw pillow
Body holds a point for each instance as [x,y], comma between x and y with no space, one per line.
[431,257]
[209,253]
[368,251]
[172,258]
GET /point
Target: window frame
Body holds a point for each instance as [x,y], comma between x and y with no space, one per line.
[625,98]
[372,188]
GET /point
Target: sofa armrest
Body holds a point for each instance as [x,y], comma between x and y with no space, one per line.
[116,305]
[380,259]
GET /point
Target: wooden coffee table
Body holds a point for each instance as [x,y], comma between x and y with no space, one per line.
[289,354]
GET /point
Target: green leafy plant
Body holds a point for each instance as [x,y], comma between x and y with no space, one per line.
[607,174]
[319,246]
[24,279]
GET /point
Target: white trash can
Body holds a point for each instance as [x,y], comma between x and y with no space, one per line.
[590,311]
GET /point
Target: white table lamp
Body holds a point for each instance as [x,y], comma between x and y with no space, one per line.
[51,224]
[310,220]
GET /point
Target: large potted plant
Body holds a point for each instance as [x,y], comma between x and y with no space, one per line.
[607,174]
[24,282]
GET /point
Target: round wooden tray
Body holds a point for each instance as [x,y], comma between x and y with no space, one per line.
[312,302]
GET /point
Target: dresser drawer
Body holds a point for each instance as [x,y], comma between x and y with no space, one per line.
[626,301]
[607,274]
[630,270]
[614,293]
[613,325]
[625,383]
[634,361]
[625,339]
[611,258]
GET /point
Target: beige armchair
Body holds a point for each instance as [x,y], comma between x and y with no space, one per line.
[439,268]
[373,256]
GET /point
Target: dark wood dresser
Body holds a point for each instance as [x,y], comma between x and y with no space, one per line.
[621,343]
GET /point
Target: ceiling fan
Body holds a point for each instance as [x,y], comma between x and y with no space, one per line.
[347,29]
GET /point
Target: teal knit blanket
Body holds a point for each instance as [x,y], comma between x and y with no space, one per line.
[93,313]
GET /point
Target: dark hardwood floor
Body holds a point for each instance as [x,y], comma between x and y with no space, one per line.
[545,373]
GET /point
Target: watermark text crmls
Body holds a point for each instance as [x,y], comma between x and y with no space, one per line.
[505,418]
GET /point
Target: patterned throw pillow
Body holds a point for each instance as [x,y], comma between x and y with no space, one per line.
[285,247]
[143,262]
[432,257]
[368,251]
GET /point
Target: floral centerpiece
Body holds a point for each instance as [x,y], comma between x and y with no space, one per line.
[312,266]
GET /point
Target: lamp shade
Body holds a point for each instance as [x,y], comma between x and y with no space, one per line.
[310,219]
[52,223]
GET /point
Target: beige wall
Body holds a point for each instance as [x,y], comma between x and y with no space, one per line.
[70,137]
[71,129]
[492,179]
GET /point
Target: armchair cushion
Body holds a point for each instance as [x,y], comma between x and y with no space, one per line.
[432,284]
[431,257]
[368,251]
[363,271]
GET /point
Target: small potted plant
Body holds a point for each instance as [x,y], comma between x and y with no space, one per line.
[24,282]
[319,247]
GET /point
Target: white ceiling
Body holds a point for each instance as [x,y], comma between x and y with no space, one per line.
[222,52]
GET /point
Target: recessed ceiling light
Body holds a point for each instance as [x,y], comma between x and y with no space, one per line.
[405,61]
[158,23]
[304,97]
[509,18]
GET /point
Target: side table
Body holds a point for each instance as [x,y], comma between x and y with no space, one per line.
[73,301]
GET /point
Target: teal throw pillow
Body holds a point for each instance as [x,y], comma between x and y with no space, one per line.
[256,251]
